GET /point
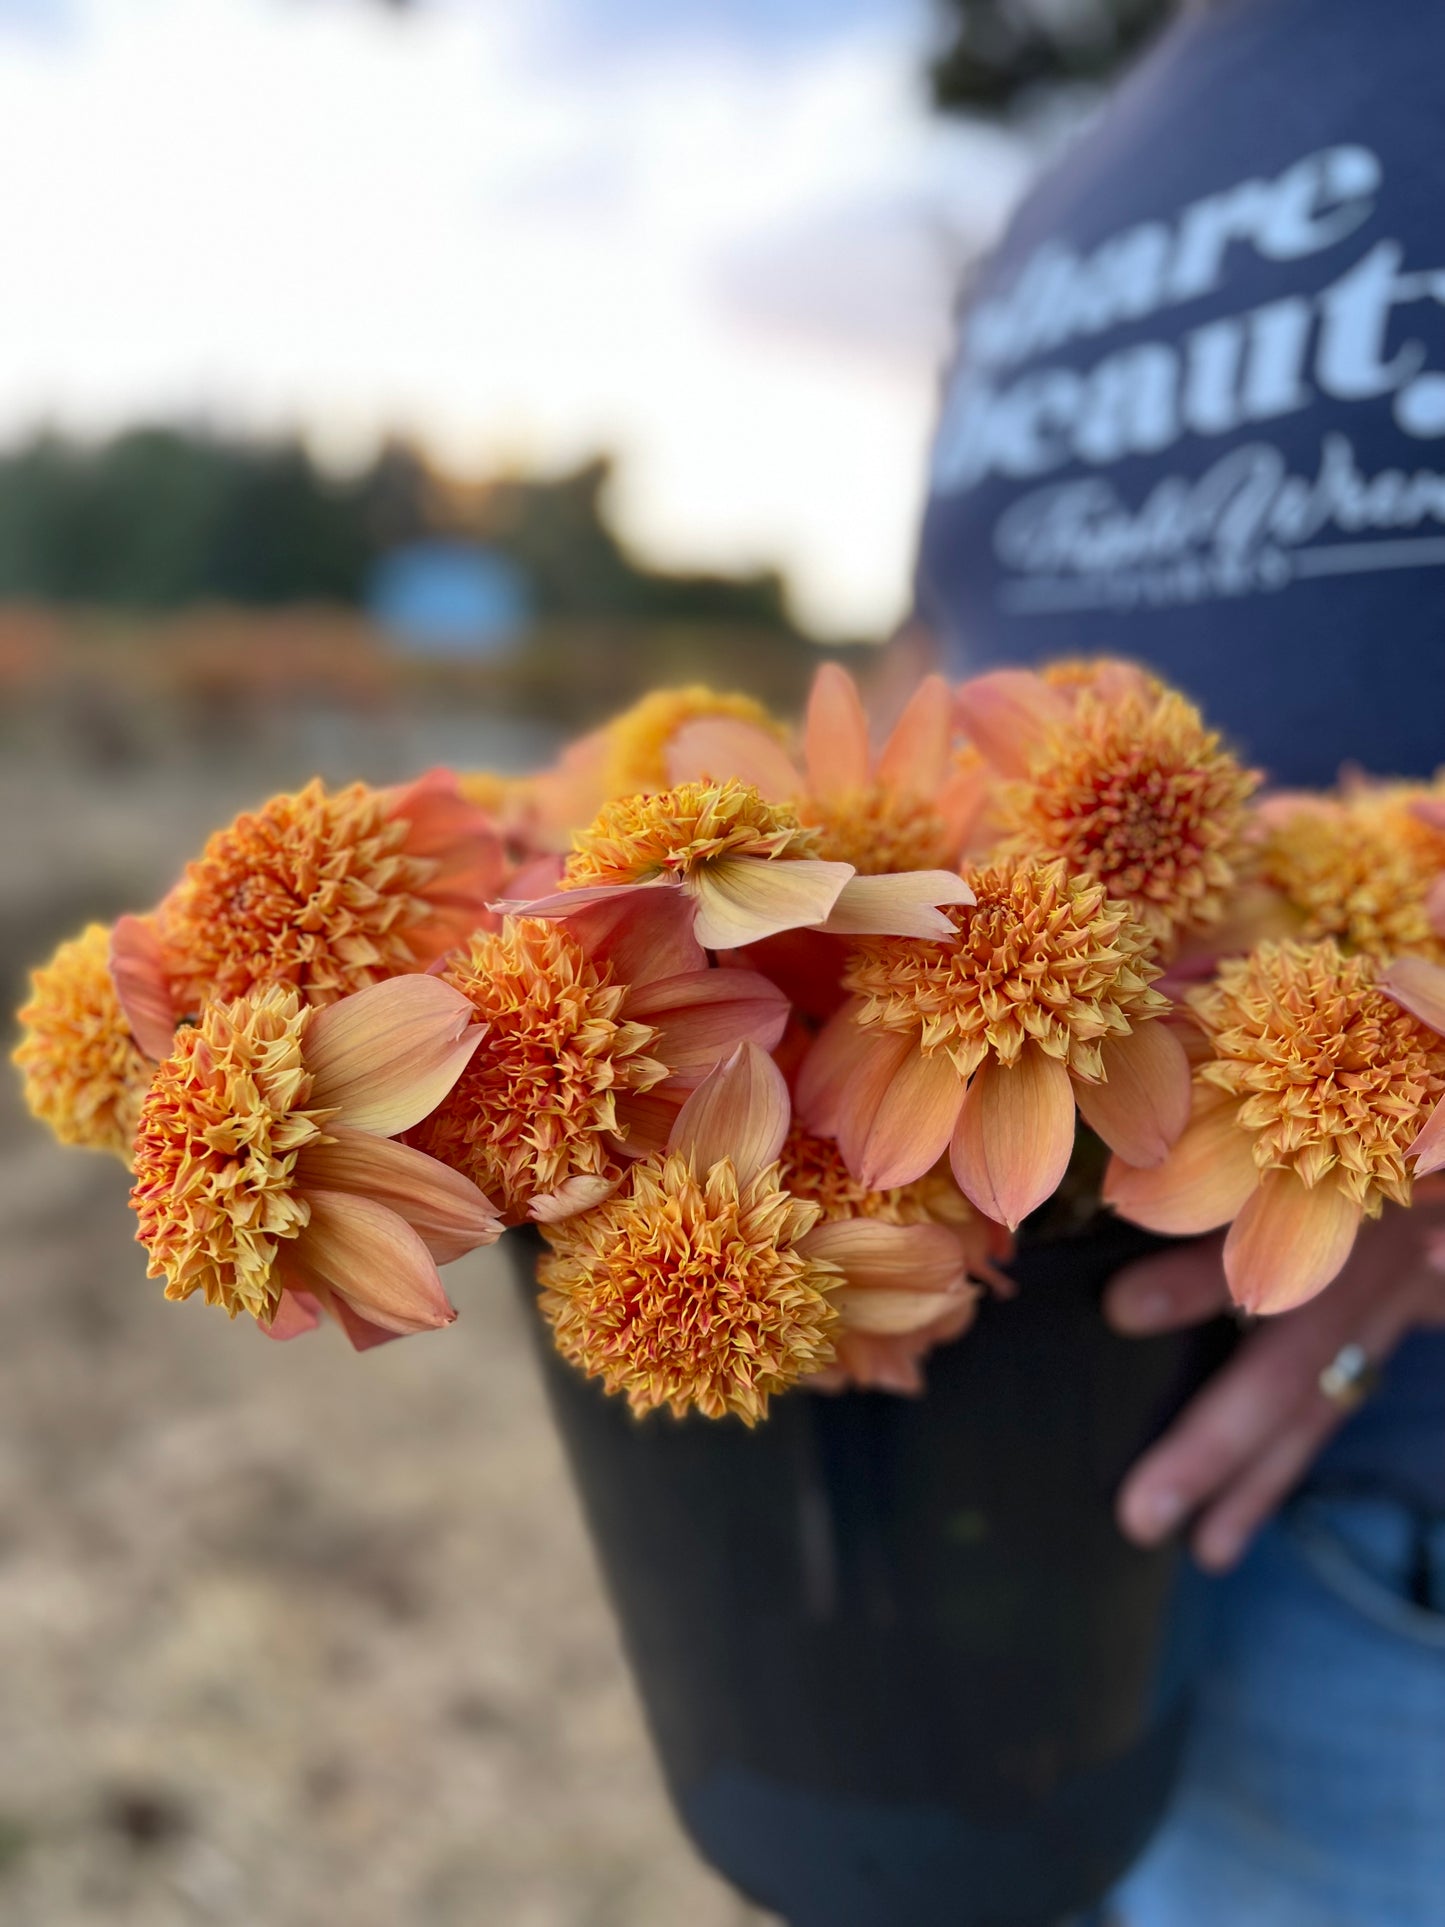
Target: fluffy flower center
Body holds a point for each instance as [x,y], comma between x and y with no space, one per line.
[1040,956]
[316,890]
[1361,871]
[537,1102]
[877,830]
[680,831]
[84,1075]
[216,1152]
[690,1292]
[1138,793]
[1332,1077]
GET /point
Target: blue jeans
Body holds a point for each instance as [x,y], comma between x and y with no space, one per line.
[1314,1794]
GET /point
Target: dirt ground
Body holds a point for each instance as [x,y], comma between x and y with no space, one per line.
[288,1637]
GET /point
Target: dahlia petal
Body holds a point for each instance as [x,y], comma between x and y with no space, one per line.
[445,829]
[913,1264]
[384,1058]
[914,760]
[1006,714]
[901,904]
[742,898]
[372,1259]
[1143,1106]
[573,1195]
[891,1314]
[364,1336]
[909,1128]
[450,1214]
[1288,1242]
[960,802]
[296,1313]
[1435,906]
[740,1111]
[441,818]
[137,969]
[1205,1181]
[1429,1147]
[848,1069]
[835,737]
[702,1017]
[1015,1135]
[645,934]
[563,905]
[645,1121]
[805,965]
[714,748]
[539,878]
[1418,986]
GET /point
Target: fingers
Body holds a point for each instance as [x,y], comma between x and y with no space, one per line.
[1173,1289]
[1227,1525]
[1252,1412]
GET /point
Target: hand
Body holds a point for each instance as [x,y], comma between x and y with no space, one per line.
[1246,1440]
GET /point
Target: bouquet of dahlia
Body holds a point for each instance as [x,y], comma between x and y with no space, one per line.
[777,1042]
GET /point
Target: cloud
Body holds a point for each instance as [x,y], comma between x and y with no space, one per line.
[331,216]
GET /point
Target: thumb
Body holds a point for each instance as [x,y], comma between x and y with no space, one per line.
[1174,1288]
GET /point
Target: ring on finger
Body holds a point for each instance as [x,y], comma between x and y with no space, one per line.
[1349,1378]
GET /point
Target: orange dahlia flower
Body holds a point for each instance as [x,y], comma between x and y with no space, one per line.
[750,866]
[1121,780]
[704,1284]
[907,808]
[266,1176]
[1317,1088]
[982,1046]
[329,891]
[596,1029]
[85,1075]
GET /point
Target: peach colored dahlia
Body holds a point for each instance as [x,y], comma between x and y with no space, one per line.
[596,1029]
[749,865]
[85,1076]
[329,891]
[903,809]
[1123,783]
[266,1175]
[1316,1091]
[704,1284]
[982,1046]
[1366,867]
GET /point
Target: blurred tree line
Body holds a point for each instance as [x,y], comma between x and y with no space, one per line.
[996,54]
[160,518]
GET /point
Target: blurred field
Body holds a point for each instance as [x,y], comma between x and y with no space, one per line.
[287,1637]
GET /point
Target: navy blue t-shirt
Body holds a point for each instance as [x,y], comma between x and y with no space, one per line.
[1197,415]
[1197,418]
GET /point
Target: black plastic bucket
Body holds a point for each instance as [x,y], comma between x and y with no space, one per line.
[900,1667]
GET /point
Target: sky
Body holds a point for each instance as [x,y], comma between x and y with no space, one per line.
[718,237]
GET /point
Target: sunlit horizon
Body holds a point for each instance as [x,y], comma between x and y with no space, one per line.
[721,249]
